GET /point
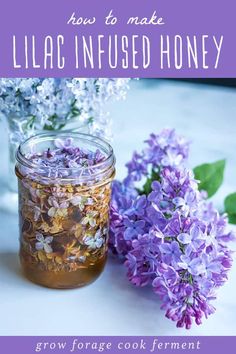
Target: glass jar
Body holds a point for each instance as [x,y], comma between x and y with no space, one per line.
[17,131]
[64,209]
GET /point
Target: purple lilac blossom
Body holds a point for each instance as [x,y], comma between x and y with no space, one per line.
[171,238]
[165,149]
[64,159]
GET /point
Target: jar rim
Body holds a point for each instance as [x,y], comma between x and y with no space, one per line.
[98,168]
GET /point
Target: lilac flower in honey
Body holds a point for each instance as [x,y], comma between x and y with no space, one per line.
[37,213]
[90,219]
[36,209]
[82,259]
[64,144]
[65,160]
[81,201]
[57,203]
[43,243]
[58,207]
[94,242]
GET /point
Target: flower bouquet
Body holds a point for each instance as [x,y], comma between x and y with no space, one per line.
[167,233]
[36,104]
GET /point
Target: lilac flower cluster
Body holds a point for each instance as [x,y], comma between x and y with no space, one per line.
[64,160]
[167,233]
[34,104]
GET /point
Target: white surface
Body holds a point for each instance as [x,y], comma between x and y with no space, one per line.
[111,306]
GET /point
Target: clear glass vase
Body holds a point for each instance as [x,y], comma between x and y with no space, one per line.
[16,134]
[8,183]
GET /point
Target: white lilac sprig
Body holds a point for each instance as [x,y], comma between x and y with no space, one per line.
[35,104]
[168,235]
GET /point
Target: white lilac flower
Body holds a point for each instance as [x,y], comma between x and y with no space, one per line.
[35,104]
[90,218]
[36,209]
[58,207]
[57,212]
[37,213]
[81,201]
[43,243]
[82,259]
[94,242]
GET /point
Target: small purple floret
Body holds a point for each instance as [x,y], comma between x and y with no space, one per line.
[65,159]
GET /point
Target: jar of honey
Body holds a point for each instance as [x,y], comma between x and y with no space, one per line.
[64,183]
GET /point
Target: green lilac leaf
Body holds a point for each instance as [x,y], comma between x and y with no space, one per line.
[211,176]
[147,188]
[232,218]
[230,207]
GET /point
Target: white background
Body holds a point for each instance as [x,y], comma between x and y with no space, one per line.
[112,306]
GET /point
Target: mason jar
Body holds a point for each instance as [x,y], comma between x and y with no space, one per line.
[64,186]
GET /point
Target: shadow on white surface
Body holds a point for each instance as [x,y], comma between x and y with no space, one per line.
[116,270]
[10,265]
